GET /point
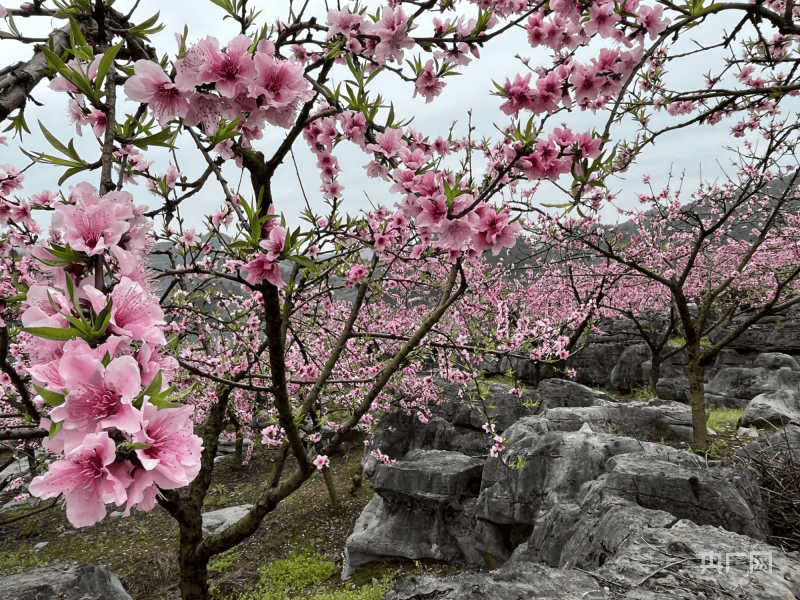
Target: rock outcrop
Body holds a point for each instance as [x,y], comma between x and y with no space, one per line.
[86,582]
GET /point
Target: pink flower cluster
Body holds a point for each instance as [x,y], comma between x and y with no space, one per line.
[262,85]
[118,439]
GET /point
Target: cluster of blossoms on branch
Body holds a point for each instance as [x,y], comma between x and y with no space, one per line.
[92,344]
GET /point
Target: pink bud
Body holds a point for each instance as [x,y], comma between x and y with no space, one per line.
[26,6]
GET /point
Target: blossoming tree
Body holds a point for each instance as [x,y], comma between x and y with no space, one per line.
[253,309]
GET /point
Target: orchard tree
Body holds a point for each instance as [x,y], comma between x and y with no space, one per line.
[732,251]
[84,350]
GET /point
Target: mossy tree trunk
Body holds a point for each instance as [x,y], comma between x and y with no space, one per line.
[697,400]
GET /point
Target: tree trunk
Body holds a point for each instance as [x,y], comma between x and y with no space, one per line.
[336,506]
[697,400]
[193,570]
[655,372]
[238,455]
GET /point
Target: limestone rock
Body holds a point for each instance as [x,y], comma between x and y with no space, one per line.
[735,387]
[424,508]
[652,420]
[555,393]
[776,360]
[455,426]
[86,582]
[648,551]
[217,521]
[593,363]
[784,442]
[773,408]
[723,497]
[527,581]
[549,469]
[673,388]
[628,373]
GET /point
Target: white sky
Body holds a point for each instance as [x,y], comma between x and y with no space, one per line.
[687,150]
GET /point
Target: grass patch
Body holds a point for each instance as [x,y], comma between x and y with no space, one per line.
[23,559]
[225,560]
[724,418]
[300,571]
[302,576]
[679,341]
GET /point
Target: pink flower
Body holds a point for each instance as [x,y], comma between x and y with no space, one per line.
[207,110]
[392,29]
[518,95]
[173,458]
[97,397]
[651,19]
[456,235]
[86,479]
[11,181]
[434,213]
[279,82]
[602,19]
[274,243]
[495,231]
[262,268]
[355,275]
[587,86]
[174,453]
[230,69]
[93,224]
[134,312]
[321,461]
[151,85]
[428,83]
[389,143]
[272,435]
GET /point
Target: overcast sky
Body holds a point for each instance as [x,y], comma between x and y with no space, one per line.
[688,150]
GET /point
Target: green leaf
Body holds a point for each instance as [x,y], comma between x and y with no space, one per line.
[52,398]
[54,141]
[134,446]
[53,333]
[105,64]
[303,261]
[155,386]
[163,138]
[55,428]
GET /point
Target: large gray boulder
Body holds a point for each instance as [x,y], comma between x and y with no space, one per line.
[780,335]
[456,425]
[671,560]
[553,393]
[423,508]
[724,497]
[776,360]
[773,408]
[217,521]
[629,372]
[735,387]
[782,443]
[85,582]
[593,363]
[673,388]
[544,470]
[651,420]
[523,581]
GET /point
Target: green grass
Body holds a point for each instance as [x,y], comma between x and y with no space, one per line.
[679,341]
[225,560]
[721,418]
[301,576]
